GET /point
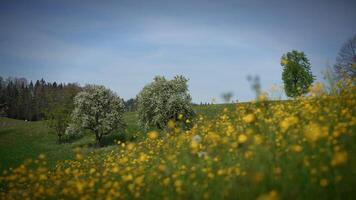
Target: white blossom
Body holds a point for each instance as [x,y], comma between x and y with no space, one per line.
[162,100]
[99,110]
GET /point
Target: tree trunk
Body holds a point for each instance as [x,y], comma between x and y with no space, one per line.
[98,139]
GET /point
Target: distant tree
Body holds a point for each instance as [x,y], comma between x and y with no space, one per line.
[164,100]
[22,100]
[297,75]
[346,59]
[227,97]
[99,110]
[131,105]
[60,107]
[58,119]
[255,84]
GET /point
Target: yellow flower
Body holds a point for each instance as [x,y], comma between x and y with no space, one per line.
[42,156]
[313,132]
[272,195]
[166,181]
[324,182]
[249,118]
[339,158]
[178,183]
[258,139]
[194,146]
[263,97]
[171,124]
[127,178]
[287,122]
[79,156]
[139,180]
[115,169]
[297,148]
[143,157]
[153,135]
[130,146]
[242,138]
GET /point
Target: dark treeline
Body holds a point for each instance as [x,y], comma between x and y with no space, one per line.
[20,99]
[131,105]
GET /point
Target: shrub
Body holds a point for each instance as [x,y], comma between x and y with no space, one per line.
[164,100]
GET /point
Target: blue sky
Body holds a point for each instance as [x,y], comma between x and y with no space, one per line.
[124,44]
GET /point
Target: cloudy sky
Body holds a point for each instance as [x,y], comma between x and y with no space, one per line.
[124,44]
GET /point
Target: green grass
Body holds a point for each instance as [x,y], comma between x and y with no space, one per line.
[21,140]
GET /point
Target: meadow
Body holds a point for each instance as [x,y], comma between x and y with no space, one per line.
[299,149]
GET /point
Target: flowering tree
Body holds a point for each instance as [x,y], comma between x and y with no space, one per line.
[99,110]
[164,100]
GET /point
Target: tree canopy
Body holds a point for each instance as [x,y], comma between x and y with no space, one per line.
[163,100]
[297,75]
[99,110]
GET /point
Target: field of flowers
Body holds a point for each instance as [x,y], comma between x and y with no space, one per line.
[300,149]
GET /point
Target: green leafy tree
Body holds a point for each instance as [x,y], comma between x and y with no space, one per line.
[297,75]
[58,119]
[99,110]
[60,107]
[164,100]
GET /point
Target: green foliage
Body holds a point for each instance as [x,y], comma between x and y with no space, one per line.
[60,107]
[297,75]
[99,110]
[58,120]
[27,101]
[164,100]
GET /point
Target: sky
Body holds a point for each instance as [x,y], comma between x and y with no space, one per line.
[124,44]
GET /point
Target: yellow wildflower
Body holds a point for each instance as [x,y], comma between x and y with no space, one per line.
[249,118]
[153,135]
[339,158]
[242,138]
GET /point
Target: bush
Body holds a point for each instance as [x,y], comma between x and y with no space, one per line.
[164,100]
